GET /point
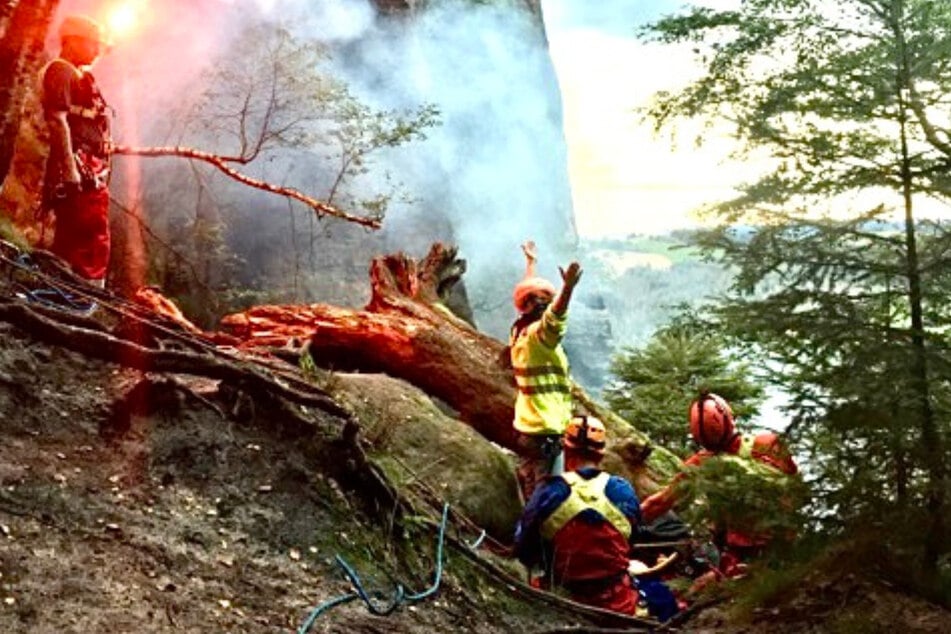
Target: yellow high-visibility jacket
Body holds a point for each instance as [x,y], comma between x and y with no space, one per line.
[586,493]
[543,404]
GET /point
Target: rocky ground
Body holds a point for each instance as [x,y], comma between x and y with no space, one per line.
[190,521]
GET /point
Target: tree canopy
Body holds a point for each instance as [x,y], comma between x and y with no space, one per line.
[655,384]
[841,275]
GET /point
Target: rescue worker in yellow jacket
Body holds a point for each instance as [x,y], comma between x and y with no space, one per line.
[543,401]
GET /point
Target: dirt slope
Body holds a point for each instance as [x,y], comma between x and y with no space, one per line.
[192,522]
[187,523]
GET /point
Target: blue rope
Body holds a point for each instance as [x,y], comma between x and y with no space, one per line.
[399,594]
[439,543]
[58,298]
[53,296]
[323,607]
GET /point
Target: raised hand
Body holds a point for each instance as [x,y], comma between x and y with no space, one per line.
[528,248]
[531,255]
[571,275]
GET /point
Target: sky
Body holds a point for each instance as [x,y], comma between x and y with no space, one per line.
[625,178]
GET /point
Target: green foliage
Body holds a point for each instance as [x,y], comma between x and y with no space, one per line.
[670,246]
[284,98]
[275,110]
[766,588]
[307,366]
[10,233]
[360,132]
[744,494]
[655,384]
[847,107]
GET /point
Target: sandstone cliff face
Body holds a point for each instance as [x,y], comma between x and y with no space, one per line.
[404,6]
[496,171]
[497,166]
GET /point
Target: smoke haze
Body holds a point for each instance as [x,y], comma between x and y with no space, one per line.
[492,175]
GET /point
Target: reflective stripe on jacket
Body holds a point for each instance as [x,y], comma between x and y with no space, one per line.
[585,494]
[540,365]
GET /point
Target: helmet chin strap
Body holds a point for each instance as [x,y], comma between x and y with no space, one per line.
[702,436]
[729,441]
[583,436]
[539,302]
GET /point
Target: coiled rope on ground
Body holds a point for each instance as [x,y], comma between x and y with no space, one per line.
[399,598]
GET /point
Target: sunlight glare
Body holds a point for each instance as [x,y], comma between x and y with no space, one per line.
[123,20]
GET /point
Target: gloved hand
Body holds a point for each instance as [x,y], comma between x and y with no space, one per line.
[636,567]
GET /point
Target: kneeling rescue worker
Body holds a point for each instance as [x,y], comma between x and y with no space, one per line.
[712,427]
[578,526]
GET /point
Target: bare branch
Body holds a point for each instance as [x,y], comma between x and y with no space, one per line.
[221,163]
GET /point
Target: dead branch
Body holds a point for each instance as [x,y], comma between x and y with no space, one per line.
[222,164]
[103,346]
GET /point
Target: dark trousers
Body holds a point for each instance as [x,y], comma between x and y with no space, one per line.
[82,232]
[538,457]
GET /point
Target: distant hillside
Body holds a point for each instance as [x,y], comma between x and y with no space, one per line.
[641,279]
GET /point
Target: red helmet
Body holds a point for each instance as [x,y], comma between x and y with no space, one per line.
[769,449]
[83,27]
[532,288]
[585,433]
[711,422]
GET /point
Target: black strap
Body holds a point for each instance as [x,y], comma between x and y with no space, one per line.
[725,437]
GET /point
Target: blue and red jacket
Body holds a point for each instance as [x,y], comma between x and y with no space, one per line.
[579,526]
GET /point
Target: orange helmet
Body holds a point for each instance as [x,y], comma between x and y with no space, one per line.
[711,422]
[585,433]
[83,27]
[769,449]
[532,288]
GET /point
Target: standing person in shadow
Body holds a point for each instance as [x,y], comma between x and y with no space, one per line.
[79,164]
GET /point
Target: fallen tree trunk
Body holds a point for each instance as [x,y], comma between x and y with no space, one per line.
[406,331]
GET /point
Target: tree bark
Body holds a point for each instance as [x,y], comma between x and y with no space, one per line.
[930,436]
[22,41]
[406,331]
